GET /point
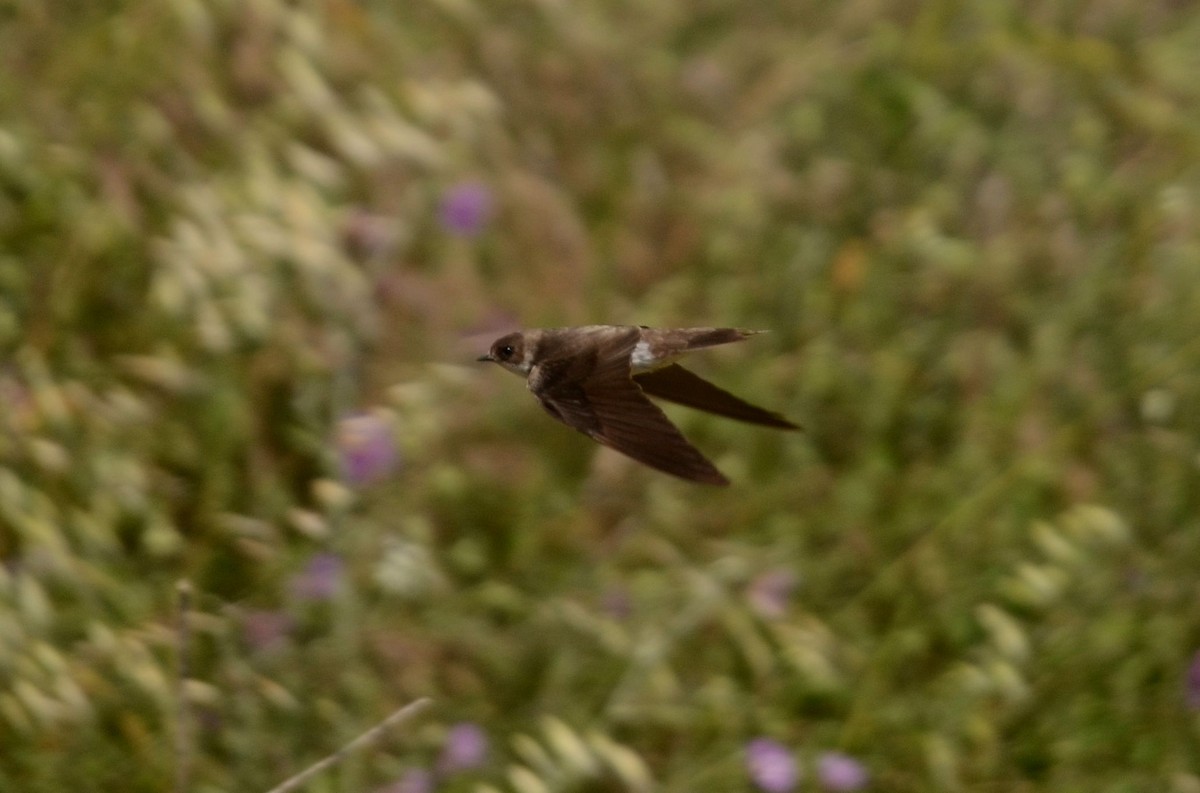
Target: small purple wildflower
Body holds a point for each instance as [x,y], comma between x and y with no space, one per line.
[369,235]
[320,579]
[466,208]
[415,780]
[466,747]
[1192,683]
[366,448]
[839,771]
[265,630]
[771,766]
[770,592]
[616,603]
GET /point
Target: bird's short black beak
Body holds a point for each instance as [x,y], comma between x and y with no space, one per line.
[487,357]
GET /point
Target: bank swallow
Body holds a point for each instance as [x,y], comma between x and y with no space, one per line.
[595,379]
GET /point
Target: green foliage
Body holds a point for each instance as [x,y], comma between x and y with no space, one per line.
[970,227]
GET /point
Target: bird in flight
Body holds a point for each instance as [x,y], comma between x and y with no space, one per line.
[596,378]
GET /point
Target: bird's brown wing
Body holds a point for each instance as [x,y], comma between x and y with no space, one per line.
[592,392]
[685,388]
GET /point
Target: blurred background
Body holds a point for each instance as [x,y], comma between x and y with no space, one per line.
[250,250]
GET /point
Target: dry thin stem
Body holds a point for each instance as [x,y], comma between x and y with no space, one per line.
[370,736]
[183,716]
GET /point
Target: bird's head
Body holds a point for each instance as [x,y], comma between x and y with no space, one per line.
[511,352]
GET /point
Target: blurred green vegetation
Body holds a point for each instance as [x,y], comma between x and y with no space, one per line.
[972,229]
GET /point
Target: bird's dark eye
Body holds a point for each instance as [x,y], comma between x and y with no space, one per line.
[505,352]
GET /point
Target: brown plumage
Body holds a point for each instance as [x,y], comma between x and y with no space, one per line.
[595,379]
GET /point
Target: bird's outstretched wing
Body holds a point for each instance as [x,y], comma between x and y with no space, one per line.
[678,385]
[594,393]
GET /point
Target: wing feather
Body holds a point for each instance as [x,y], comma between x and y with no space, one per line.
[677,384]
[595,394]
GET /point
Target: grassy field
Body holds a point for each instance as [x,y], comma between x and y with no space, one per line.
[249,252]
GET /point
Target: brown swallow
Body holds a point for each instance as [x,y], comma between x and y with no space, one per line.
[595,379]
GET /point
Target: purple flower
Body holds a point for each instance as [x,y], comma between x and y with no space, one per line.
[367,449]
[369,235]
[264,630]
[771,766]
[839,771]
[770,592]
[466,747]
[616,603]
[320,579]
[1192,684]
[415,780]
[466,208]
